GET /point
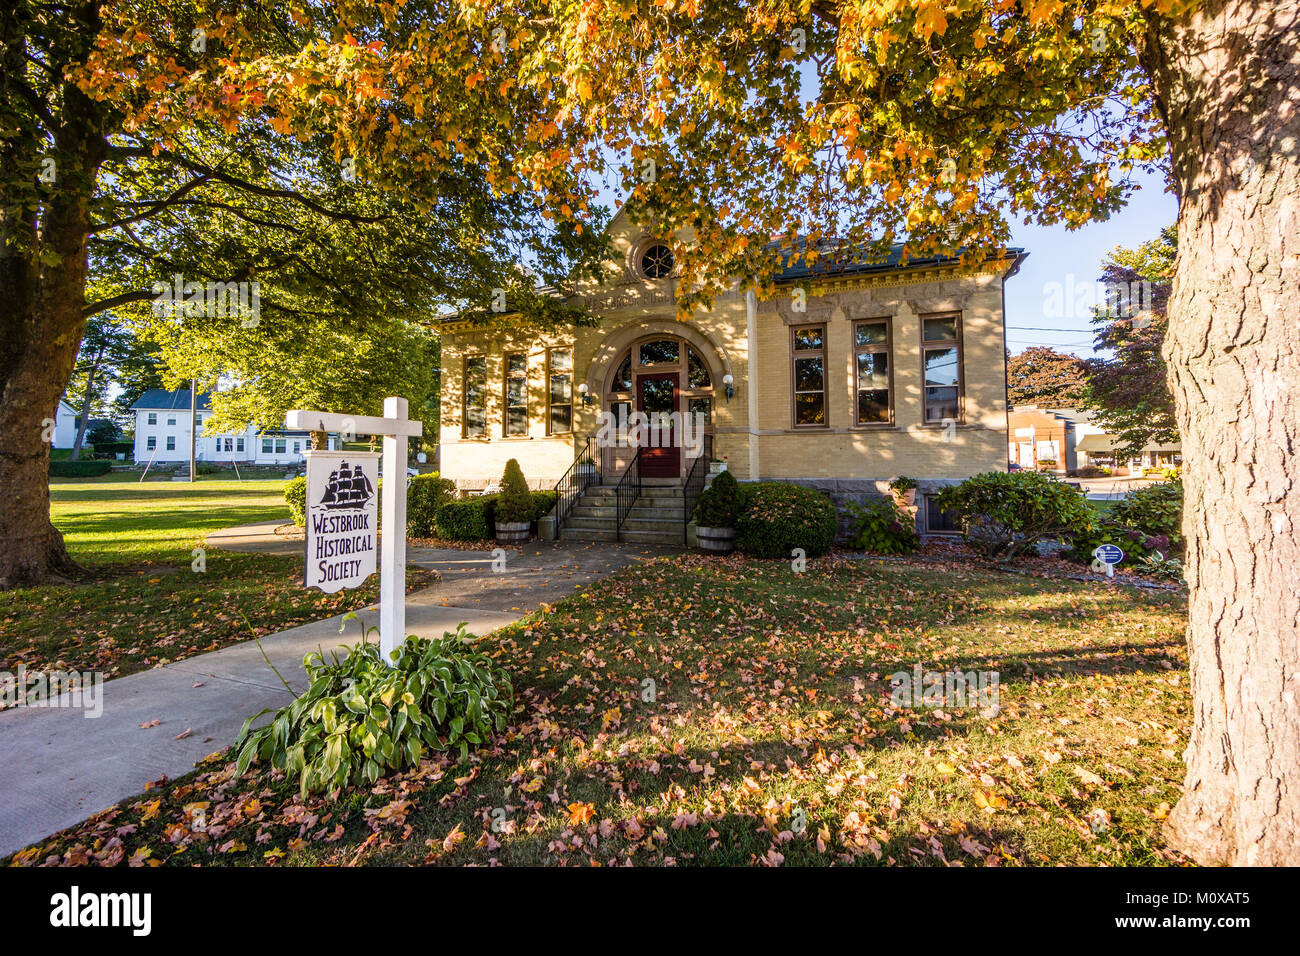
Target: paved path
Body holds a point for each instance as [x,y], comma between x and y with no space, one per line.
[61,767]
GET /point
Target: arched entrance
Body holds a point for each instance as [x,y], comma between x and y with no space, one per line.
[668,380]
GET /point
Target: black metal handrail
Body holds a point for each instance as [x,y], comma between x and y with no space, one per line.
[627,492]
[696,475]
[571,486]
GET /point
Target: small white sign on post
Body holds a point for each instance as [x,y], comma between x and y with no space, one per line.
[342,519]
[395,428]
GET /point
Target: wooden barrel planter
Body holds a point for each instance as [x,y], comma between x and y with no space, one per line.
[513,532]
[715,540]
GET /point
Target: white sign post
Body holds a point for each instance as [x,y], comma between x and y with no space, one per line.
[395,428]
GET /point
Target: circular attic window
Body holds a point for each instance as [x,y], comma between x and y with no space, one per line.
[656,261]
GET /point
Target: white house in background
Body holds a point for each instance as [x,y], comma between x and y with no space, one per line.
[162,434]
[65,426]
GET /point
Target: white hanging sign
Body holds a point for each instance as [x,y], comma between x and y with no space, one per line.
[396,430]
[342,518]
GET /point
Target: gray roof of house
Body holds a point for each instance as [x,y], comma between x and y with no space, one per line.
[161,398]
[848,263]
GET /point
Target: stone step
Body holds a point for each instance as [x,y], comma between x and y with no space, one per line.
[667,538]
[642,509]
[647,491]
[585,523]
[633,523]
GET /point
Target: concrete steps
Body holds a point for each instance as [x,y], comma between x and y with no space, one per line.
[656,517]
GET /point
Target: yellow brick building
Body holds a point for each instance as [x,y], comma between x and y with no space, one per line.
[841,381]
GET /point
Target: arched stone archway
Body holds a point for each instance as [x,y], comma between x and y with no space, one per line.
[658,369]
[622,339]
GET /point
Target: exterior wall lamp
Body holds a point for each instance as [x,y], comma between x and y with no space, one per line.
[585,391]
[728,386]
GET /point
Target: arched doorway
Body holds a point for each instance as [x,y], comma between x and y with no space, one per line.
[668,381]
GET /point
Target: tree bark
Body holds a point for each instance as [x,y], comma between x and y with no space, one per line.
[42,286]
[1227,79]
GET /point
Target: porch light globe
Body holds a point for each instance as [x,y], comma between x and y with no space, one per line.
[583,389]
[727,379]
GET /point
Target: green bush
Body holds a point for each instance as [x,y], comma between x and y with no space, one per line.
[474,519]
[777,517]
[515,502]
[361,717]
[295,493]
[425,494]
[467,519]
[543,502]
[719,504]
[881,528]
[1155,510]
[902,485]
[79,469]
[1007,513]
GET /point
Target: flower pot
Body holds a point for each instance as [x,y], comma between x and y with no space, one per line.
[513,532]
[907,498]
[715,540]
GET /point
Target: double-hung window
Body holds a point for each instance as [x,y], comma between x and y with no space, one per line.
[474,397]
[808,375]
[941,366]
[516,425]
[873,372]
[559,391]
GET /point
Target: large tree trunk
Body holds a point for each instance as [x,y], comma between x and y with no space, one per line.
[42,288]
[1228,82]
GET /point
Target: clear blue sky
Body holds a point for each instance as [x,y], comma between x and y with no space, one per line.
[1070,259]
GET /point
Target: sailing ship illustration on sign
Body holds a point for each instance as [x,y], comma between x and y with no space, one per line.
[347,488]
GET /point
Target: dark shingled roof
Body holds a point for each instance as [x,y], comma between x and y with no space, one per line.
[846,264]
[161,398]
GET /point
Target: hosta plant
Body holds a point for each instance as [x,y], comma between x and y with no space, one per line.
[361,718]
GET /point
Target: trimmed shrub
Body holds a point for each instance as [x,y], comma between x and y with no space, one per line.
[80,469]
[515,502]
[425,494]
[1007,513]
[1157,510]
[719,504]
[361,718]
[882,528]
[467,519]
[543,502]
[776,517]
[295,493]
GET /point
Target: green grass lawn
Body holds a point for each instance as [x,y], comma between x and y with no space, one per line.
[142,603]
[770,736]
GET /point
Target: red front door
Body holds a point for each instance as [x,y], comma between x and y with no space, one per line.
[658,397]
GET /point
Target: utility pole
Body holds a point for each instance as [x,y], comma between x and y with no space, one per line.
[194,408]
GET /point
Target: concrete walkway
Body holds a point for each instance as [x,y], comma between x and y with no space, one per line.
[62,767]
